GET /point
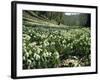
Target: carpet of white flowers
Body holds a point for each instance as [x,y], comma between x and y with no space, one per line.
[52,48]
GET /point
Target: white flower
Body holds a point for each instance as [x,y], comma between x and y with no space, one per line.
[29,61]
[56,54]
[36,56]
[27,37]
[46,43]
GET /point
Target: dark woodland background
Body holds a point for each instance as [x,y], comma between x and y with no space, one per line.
[77,19]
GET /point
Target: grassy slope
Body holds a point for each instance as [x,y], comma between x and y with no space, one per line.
[31,20]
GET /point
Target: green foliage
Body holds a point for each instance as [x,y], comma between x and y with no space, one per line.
[81,19]
[48,48]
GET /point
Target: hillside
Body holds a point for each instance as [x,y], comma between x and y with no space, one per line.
[30,18]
